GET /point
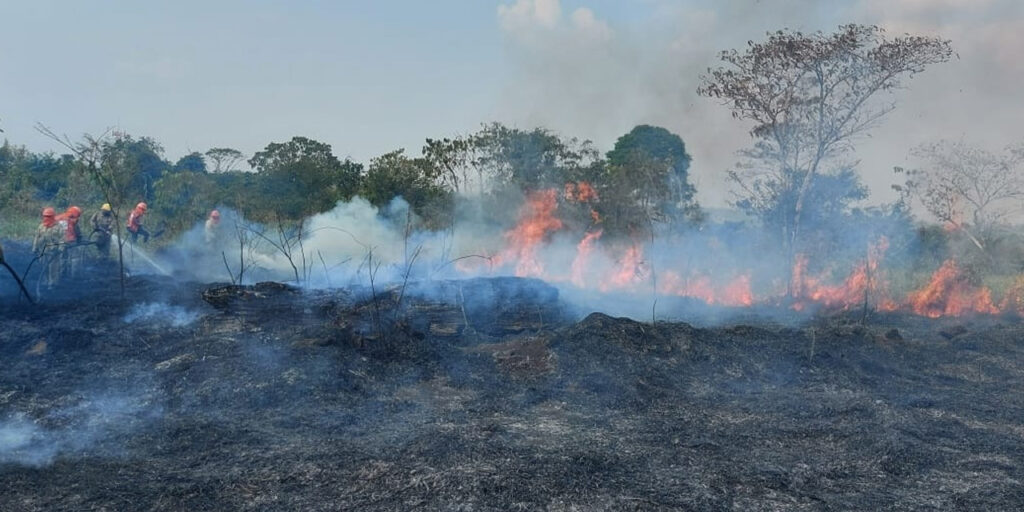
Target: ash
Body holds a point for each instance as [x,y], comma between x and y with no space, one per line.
[491,394]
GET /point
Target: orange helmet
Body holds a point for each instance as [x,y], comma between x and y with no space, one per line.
[49,212]
[74,212]
[141,207]
[215,214]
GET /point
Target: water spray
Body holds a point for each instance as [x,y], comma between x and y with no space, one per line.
[142,255]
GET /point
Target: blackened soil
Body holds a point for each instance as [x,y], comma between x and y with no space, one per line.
[482,395]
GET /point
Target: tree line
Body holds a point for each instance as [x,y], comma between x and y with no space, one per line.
[808,99]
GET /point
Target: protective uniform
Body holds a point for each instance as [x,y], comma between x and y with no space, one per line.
[103,224]
[72,237]
[135,223]
[212,227]
[48,245]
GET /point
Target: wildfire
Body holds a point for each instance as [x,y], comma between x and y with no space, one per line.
[537,221]
[629,272]
[736,292]
[581,192]
[583,256]
[949,293]
[608,267]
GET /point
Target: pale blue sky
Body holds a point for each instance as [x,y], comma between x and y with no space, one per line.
[369,77]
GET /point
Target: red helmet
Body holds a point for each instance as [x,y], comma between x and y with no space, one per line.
[74,212]
[215,214]
[49,212]
[141,207]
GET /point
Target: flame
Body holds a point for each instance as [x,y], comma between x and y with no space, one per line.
[948,293]
[536,221]
[623,268]
[862,284]
[629,272]
[1013,299]
[736,292]
[581,192]
[583,256]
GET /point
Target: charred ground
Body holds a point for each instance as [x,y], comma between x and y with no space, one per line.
[488,394]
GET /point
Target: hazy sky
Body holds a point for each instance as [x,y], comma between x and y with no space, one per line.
[369,77]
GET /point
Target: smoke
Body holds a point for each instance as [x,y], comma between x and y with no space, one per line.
[599,78]
[90,427]
[153,312]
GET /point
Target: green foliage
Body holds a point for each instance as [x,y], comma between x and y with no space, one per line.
[528,160]
[184,198]
[301,177]
[192,162]
[645,180]
[224,159]
[414,179]
[449,160]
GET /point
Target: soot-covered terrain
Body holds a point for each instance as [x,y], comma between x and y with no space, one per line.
[489,394]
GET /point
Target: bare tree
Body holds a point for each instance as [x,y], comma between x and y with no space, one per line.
[288,240]
[811,96]
[971,189]
[248,239]
[111,168]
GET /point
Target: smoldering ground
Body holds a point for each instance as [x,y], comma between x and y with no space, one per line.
[483,394]
[355,244]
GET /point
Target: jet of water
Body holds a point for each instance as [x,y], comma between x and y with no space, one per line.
[144,257]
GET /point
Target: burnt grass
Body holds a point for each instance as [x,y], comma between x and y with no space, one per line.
[489,394]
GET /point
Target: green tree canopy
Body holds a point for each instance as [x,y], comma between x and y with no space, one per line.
[414,179]
[302,177]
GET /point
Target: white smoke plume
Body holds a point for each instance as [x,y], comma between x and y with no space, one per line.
[154,312]
[84,428]
[596,79]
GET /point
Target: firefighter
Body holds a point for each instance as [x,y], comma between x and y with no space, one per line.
[103,223]
[69,222]
[212,227]
[135,223]
[72,236]
[48,245]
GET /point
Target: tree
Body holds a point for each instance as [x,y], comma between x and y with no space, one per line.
[647,169]
[297,179]
[528,160]
[414,179]
[192,162]
[113,161]
[811,96]
[969,188]
[184,198]
[302,177]
[449,160]
[224,159]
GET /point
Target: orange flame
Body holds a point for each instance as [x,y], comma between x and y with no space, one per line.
[536,221]
[582,259]
[860,285]
[581,192]
[949,294]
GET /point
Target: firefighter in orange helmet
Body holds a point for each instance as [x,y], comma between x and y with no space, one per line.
[135,223]
[72,236]
[212,227]
[48,245]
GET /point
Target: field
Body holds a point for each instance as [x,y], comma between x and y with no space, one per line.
[492,394]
